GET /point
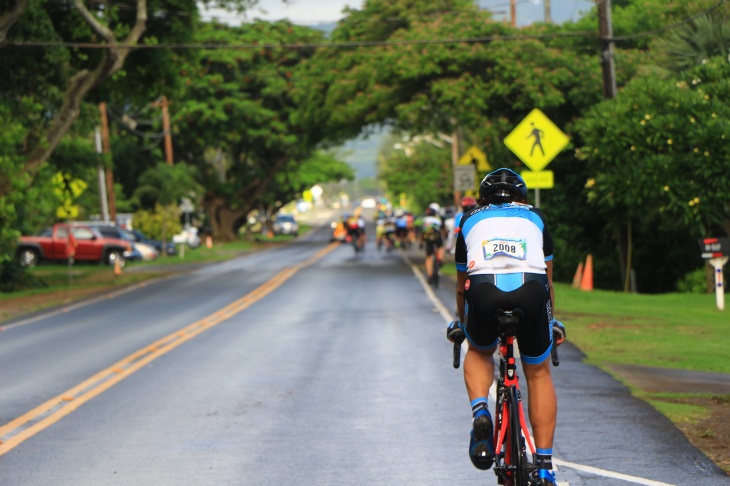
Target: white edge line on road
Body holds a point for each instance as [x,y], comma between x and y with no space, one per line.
[444,313]
[77,305]
[610,474]
[492,393]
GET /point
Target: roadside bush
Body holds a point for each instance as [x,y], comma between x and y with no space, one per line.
[695,282]
[151,223]
[14,277]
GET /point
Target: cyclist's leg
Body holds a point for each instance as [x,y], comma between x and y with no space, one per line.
[481,333]
[440,251]
[535,342]
[478,371]
[542,403]
[429,260]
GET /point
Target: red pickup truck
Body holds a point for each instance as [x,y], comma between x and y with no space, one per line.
[83,244]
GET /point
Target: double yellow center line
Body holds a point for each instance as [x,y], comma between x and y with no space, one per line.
[30,423]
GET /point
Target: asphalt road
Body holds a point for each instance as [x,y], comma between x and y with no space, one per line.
[299,365]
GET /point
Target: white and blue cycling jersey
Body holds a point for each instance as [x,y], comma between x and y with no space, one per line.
[502,239]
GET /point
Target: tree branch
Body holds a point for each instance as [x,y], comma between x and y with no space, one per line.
[84,81]
[8,19]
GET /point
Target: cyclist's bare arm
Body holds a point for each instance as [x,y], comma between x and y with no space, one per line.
[460,283]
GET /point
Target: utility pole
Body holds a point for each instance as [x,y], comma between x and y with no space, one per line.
[546,4]
[102,178]
[163,103]
[605,33]
[455,162]
[109,173]
[513,12]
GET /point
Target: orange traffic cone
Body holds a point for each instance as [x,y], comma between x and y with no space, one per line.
[586,282]
[117,267]
[208,242]
[578,276]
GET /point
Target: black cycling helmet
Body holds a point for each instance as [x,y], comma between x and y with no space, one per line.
[503,186]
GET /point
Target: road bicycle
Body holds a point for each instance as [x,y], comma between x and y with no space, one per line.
[511,436]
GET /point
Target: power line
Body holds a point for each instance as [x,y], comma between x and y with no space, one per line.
[341,45]
[472,40]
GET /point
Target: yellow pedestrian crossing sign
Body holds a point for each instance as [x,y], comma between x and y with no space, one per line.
[68,190]
[477,158]
[66,187]
[536,140]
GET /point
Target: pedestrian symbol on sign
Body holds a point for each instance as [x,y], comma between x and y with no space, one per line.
[537,133]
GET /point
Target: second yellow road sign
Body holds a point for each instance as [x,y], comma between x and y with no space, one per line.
[477,158]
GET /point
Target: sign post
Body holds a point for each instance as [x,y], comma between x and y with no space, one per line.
[537,141]
[716,251]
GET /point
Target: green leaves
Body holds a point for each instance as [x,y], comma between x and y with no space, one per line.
[659,150]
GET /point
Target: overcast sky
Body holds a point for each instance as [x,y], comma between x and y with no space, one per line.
[324,11]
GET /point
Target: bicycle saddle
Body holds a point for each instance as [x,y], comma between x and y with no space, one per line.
[508,320]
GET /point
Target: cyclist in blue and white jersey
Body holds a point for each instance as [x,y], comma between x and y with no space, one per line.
[467,204]
[504,259]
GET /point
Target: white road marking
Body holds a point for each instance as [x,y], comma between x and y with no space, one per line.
[610,474]
[77,305]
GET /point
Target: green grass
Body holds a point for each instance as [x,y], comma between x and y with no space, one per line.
[202,254]
[684,331]
[679,413]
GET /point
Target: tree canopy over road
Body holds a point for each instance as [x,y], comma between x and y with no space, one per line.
[256,109]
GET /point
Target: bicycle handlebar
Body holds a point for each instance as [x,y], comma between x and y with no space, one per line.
[457,336]
[554,355]
[457,355]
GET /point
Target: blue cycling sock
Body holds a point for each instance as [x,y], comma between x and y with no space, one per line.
[544,459]
[479,407]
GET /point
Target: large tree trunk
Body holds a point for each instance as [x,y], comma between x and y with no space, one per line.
[223,218]
[227,219]
[211,206]
[84,81]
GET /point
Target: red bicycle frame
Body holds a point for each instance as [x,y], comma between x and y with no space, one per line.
[507,380]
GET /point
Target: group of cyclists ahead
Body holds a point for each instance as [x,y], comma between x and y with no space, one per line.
[431,231]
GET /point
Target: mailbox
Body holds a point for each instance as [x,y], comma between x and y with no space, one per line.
[714,247]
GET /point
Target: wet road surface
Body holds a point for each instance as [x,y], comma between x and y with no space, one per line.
[304,364]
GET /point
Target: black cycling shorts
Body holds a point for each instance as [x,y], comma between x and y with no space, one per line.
[432,246]
[482,300]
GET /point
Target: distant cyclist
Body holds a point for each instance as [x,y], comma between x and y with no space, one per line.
[467,204]
[355,226]
[504,259]
[401,228]
[432,239]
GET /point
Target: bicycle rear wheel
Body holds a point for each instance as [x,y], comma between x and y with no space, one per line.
[518,458]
